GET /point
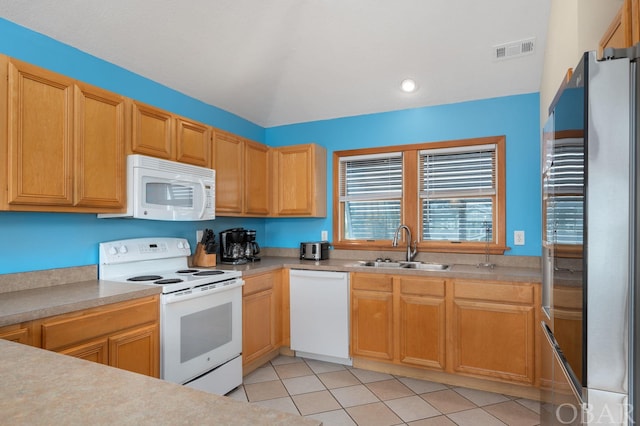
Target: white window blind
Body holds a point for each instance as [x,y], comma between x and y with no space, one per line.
[565,189]
[457,193]
[370,189]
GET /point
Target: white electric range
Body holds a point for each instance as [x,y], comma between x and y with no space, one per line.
[200,311]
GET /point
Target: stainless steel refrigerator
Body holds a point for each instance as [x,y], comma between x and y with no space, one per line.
[590,249]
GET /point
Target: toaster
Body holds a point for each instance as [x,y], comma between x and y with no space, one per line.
[314,250]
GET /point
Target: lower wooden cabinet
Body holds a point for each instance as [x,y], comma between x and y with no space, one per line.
[400,319]
[372,316]
[493,330]
[124,335]
[261,316]
[484,329]
[422,323]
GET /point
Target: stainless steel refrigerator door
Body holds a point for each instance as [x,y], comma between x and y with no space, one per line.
[608,225]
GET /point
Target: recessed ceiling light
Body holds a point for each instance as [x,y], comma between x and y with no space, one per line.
[408,85]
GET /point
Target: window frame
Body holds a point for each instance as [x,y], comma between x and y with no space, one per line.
[410,201]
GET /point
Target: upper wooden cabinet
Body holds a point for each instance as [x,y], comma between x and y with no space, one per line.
[256,178]
[152,132]
[228,162]
[159,133]
[65,145]
[300,174]
[193,142]
[242,176]
[624,30]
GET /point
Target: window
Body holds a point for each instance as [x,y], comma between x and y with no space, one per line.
[371,195]
[451,195]
[457,193]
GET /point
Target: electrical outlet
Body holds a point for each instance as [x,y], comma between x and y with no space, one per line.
[518,238]
[199,235]
[324,236]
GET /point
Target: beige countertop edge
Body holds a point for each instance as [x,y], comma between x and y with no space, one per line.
[43,387]
[499,273]
[37,303]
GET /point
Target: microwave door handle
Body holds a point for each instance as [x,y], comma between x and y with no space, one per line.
[204,199]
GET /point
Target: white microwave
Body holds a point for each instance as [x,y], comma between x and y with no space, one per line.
[167,190]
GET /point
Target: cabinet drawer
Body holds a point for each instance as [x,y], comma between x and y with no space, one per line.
[422,286]
[257,284]
[374,282]
[505,292]
[64,330]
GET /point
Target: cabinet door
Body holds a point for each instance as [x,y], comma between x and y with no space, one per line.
[494,340]
[193,143]
[100,172]
[422,322]
[16,333]
[257,325]
[300,175]
[136,350]
[228,159]
[152,131]
[619,33]
[256,178]
[372,324]
[40,123]
[95,351]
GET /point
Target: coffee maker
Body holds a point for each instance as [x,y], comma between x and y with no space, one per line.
[232,246]
[251,247]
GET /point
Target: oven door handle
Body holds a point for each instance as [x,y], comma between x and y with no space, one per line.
[195,292]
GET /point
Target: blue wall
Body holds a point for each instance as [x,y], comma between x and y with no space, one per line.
[36,241]
[517,117]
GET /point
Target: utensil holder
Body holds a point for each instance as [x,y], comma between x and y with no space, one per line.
[201,258]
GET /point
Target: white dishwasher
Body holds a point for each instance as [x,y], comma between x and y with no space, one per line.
[319,304]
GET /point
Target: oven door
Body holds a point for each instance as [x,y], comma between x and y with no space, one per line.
[201,329]
[161,195]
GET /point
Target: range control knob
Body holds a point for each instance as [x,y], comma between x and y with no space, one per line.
[113,250]
[180,245]
[123,249]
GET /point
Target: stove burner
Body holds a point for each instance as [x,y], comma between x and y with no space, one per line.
[145,278]
[186,271]
[209,273]
[168,281]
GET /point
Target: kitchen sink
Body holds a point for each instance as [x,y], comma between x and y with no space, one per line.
[426,266]
[380,263]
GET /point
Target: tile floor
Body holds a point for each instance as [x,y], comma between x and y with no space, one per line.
[341,395]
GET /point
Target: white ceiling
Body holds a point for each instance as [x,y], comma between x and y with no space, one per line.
[289,61]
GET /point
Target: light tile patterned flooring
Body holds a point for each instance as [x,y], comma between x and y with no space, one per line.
[340,395]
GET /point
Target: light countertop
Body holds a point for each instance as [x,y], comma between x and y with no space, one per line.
[43,387]
[36,303]
[499,273]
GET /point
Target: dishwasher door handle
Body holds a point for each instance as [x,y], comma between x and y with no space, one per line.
[303,273]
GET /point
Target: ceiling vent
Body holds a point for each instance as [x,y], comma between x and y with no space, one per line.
[514,49]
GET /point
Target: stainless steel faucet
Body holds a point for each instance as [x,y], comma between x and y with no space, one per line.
[410,253]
